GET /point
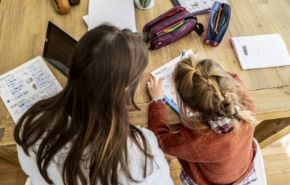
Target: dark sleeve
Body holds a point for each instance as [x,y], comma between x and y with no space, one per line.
[173,143]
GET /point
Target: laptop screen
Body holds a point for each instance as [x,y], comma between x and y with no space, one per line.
[58,48]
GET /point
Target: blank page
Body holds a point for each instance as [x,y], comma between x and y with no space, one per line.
[119,13]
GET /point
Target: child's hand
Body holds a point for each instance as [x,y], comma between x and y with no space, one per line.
[155,87]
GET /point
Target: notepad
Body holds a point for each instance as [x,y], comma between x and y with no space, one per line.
[120,13]
[166,72]
[28,83]
[261,51]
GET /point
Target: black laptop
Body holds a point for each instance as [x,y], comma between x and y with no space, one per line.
[58,48]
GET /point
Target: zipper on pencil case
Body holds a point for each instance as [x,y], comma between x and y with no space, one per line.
[170,28]
[148,35]
[149,38]
[154,38]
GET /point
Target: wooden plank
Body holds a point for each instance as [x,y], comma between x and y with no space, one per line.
[272,103]
[11,174]
[8,138]
[275,136]
[270,127]
[9,153]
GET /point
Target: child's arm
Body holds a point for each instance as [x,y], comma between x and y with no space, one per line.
[157,118]
[173,143]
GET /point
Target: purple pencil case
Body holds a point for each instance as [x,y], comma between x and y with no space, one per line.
[170,27]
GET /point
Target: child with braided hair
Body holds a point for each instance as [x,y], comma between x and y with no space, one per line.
[215,142]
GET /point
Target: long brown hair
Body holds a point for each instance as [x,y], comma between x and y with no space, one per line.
[91,112]
[205,87]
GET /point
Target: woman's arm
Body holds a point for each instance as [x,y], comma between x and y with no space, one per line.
[29,166]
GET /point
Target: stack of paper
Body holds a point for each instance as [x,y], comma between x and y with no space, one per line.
[261,51]
[119,13]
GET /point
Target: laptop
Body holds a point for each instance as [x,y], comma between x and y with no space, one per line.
[58,48]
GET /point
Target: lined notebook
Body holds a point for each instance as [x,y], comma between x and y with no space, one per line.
[261,51]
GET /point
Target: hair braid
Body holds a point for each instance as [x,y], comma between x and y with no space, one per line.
[204,86]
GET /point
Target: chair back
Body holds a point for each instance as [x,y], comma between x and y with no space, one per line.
[259,166]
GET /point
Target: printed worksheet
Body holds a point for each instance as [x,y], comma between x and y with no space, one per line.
[166,72]
[23,86]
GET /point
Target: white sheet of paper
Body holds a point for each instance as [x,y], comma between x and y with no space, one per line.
[166,72]
[261,51]
[120,13]
[23,86]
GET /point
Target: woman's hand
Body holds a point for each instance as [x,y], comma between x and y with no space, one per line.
[155,87]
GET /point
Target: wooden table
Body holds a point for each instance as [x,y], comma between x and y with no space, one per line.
[22,34]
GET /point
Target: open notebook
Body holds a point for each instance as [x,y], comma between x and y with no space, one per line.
[27,84]
[261,51]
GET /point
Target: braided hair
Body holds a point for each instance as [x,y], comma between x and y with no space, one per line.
[203,86]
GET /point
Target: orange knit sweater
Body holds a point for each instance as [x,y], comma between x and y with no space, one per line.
[207,157]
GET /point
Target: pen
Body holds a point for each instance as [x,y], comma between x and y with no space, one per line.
[217,20]
[221,21]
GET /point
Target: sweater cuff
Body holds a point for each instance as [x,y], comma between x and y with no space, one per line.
[156,116]
[157,105]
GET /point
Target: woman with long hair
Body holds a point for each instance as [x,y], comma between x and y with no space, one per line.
[83,135]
